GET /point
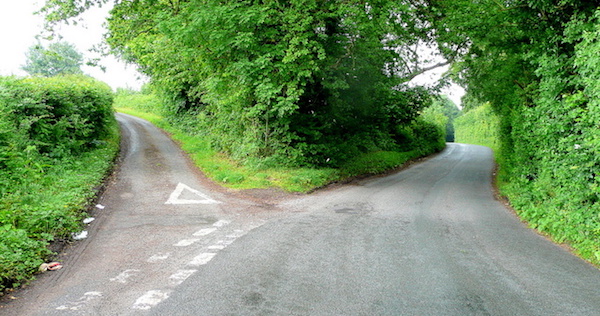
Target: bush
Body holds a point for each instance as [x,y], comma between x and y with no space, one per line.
[58,138]
[21,256]
[62,115]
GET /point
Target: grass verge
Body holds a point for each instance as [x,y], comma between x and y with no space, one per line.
[45,205]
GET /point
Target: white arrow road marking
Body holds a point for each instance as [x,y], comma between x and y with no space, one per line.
[174,198]
[150,299]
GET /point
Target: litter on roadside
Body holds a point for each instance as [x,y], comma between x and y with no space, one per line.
[100,206]
[52,266]
[88,220]
[81,235]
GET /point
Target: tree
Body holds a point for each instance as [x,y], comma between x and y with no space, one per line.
[59,58]
[302,81]
[295,79]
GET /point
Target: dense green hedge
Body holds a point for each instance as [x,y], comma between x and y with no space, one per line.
[58,137]
[551,174]
[478,126]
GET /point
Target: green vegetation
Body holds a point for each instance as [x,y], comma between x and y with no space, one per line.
[426,134]
[291,84]
[479,126]
[537,64]
[59,58]
[58,138]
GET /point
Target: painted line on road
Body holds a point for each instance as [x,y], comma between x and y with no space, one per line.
[221,223]
[150,299]
[205,231]
[175,197]
[202,259]
[180,276]
[88,296]
[186,242]
[159,257]
[123,276]
[217,247]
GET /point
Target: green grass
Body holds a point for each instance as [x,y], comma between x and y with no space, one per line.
[47,204]
[231,174]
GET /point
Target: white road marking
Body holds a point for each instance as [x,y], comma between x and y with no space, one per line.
[186,242]
[158,257]
[150,299]
[174,198]
[180,276]
[204,231]
[88,296]
[236,234]
[221,223]
[202,259]
[217,247]
[123,276]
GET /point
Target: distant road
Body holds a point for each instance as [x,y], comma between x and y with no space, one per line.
[430,240]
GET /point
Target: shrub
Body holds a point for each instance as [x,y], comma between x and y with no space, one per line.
[62,115]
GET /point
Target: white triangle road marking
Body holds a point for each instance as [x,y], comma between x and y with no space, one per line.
[174,198]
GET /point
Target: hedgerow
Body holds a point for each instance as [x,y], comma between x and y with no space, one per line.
[58,137]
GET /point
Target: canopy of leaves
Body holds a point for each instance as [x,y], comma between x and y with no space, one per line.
[59,58]
[302,81]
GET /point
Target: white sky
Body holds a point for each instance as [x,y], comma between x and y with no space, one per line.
[20,26]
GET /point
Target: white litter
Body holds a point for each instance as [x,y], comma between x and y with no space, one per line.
[100,206]
[80,236]
[88,220]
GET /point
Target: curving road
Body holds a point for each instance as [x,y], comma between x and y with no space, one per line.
[430,240]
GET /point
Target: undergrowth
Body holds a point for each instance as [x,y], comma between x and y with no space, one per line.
[58,139]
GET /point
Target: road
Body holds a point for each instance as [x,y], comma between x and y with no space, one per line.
[430,240]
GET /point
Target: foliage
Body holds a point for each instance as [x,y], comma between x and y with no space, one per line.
[479,126]
[60,58]
[60,115]
[427,133]
[536,63]
[450,110]
[297,83]
[58,138]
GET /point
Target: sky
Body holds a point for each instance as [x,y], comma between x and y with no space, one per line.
[20,26]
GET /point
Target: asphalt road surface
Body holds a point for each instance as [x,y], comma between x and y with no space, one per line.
[430,240]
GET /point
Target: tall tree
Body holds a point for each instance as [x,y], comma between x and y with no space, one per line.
[273,75]
[304,81]
[59,58]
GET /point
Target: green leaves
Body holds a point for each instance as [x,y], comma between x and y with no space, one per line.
[59,58]
[536,62]
[272,79]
